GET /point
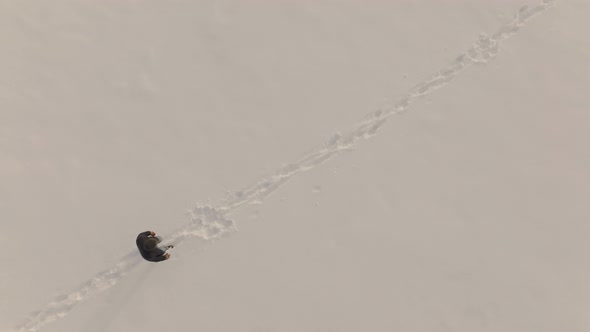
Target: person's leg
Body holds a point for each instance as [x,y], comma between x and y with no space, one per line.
[164,248]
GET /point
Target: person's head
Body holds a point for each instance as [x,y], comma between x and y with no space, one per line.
[150,244]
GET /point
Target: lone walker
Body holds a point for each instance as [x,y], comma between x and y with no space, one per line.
[147,243]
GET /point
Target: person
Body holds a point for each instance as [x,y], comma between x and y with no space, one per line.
[147,243]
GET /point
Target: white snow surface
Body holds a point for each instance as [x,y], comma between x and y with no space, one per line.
[320,165]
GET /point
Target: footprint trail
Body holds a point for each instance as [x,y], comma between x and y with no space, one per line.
[208,223]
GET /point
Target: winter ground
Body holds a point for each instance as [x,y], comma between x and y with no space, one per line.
[454,197]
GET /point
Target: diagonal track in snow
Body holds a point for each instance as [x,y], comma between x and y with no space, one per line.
[209,223]
[483,51]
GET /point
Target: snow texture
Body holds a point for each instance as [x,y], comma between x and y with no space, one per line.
[209,223]
[212,220]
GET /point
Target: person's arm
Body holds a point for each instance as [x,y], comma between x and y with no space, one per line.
[147,233]
[161,258]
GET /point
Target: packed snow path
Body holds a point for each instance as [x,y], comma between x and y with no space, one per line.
[208,223]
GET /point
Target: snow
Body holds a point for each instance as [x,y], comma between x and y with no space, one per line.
[320,165]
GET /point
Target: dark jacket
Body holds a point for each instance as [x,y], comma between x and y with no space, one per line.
[155,255]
